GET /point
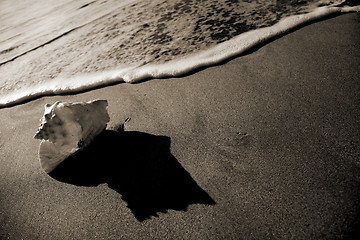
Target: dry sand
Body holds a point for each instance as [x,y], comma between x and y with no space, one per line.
[265,145]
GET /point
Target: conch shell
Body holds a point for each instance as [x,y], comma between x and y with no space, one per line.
[68,127]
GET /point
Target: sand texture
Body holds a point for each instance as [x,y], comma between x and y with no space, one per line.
[265,146]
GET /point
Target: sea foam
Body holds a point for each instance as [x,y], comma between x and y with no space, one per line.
[173,68]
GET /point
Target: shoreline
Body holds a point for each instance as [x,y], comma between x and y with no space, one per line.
[223,52]
[272,137]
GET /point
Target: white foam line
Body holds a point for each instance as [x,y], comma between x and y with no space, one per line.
[178,67]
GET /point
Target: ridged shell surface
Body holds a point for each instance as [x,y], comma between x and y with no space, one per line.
[67,127]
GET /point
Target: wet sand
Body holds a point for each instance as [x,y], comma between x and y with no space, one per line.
[264,146]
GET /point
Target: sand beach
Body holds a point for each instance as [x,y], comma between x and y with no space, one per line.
[263,146]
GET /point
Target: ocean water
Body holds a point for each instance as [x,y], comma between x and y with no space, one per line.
[55,47]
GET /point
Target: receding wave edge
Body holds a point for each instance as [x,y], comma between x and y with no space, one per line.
[174,68]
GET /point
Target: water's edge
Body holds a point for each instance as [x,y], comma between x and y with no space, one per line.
[224,51]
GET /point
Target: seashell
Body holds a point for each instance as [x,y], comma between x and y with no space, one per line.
[67,128]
